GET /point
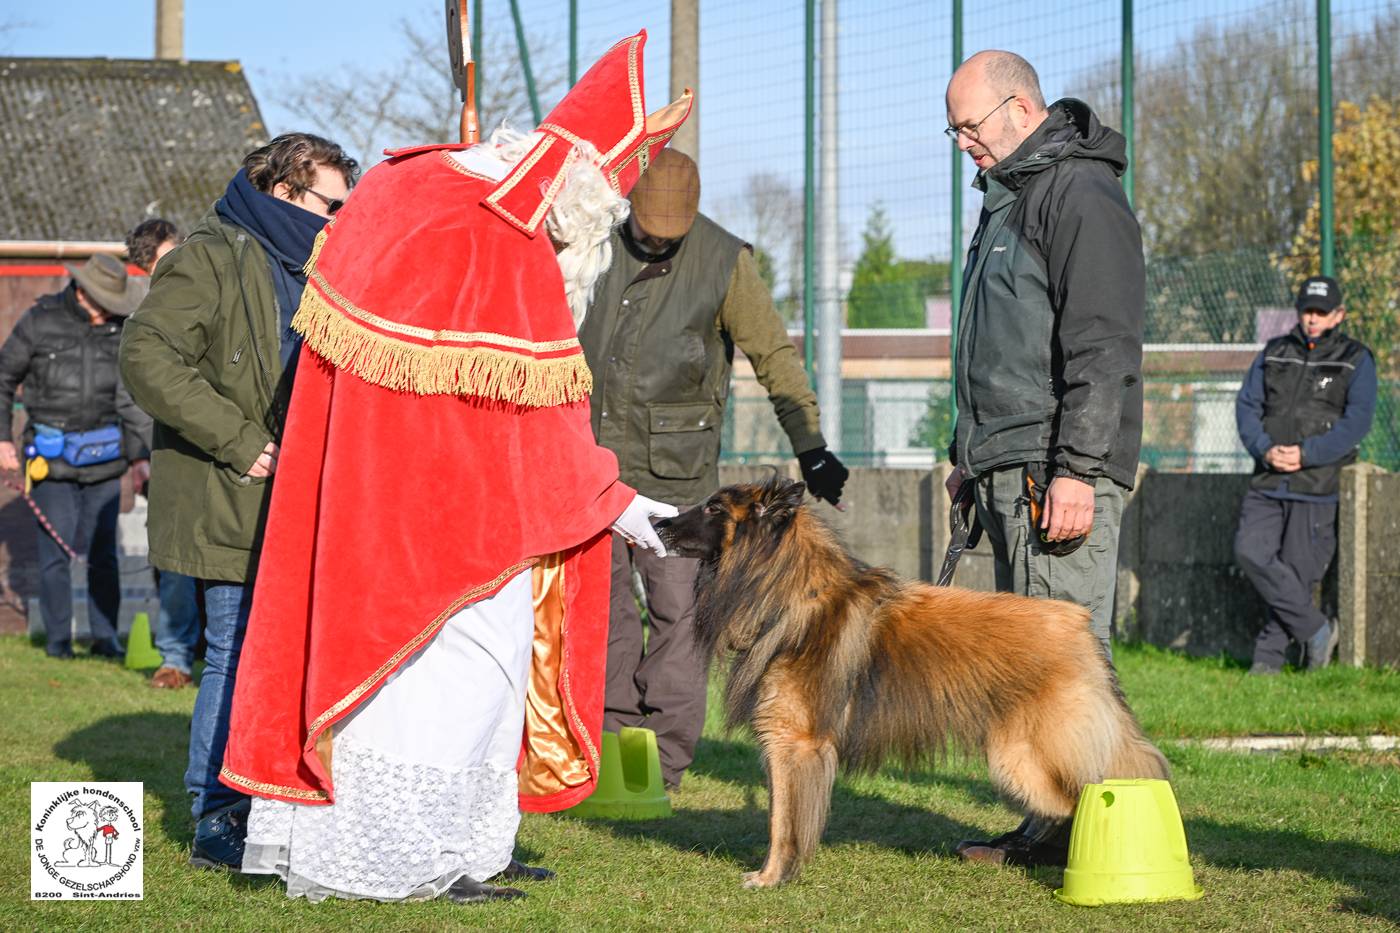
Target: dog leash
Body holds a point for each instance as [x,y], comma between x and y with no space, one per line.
[964,530]
[43,519]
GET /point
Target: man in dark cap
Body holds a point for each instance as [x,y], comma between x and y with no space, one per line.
[1302,411]
[82,433]
[680,295]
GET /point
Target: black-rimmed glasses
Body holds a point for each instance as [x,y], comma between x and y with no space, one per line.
[332,204]
[970,130]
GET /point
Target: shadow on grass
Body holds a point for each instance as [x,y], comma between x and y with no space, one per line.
[742,835]
[738,763]
[1372,873]
[147,747]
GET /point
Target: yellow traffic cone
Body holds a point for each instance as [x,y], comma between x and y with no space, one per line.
[140,651]
[629,779]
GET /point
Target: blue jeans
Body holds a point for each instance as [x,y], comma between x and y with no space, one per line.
[226,606]
[177,625]
[84,515]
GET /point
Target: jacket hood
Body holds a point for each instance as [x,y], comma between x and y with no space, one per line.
[1071,131]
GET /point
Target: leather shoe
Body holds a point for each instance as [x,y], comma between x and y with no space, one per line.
[519,871]
[1001,840]
[170,678]
[1023,852]
[466,891]
[1016,848]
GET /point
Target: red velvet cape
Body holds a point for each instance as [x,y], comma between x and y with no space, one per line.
[393,509]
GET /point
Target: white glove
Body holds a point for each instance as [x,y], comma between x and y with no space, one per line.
[634,523]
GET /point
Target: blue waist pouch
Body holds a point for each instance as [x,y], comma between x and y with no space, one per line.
[88,448]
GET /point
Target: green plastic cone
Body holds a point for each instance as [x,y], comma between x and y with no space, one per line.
[1127,846]
[140,651]
[629,779]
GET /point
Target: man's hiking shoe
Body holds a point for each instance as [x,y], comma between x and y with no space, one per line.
[219,838]
[1323,645]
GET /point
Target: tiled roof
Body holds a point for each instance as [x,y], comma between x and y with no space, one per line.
[89,147]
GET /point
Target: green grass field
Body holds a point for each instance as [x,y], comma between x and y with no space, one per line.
[1279,842]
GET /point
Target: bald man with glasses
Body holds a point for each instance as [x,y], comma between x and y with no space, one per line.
[1049,355]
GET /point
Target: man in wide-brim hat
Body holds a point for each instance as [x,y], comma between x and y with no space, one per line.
[104,288]
[63,352]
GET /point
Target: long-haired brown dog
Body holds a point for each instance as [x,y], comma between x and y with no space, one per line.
[836,663]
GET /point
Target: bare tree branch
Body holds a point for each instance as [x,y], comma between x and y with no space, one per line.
[412,100]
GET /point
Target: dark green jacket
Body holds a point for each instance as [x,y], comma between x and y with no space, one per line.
[660,340]
[200,355]
[1049,348]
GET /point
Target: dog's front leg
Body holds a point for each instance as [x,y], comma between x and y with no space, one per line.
[800,775]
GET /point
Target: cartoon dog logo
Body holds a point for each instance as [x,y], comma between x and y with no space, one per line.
[83,822]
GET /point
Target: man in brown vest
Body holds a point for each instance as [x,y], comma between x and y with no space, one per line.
[659,336]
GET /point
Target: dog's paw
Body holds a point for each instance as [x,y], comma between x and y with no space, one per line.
[756,879]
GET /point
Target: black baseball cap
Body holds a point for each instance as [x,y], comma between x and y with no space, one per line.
[1319,291]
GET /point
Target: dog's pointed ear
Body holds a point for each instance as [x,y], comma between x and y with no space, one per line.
[790,496]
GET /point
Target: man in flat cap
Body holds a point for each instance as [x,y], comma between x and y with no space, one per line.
[681,293]
[1304,408]
[86,429]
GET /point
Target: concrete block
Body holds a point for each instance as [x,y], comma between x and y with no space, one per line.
[1190,518]
[1383,619]
[1200,609]
[886,522]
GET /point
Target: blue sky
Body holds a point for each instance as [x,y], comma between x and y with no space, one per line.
[893,63]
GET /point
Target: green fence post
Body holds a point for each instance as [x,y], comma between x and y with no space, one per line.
[1324,134]
[1126,70]
[573,42]
[525,61]
[809,195]
[476,51]
[955,257]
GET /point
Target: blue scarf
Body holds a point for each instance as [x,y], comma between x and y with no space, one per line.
[286,233]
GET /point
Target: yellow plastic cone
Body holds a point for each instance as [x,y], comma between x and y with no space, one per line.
[629,779]
[1127,846]
[140,651]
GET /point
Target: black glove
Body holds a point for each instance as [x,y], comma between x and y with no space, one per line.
[823,473]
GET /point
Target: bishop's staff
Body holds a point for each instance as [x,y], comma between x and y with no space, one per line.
[459,48]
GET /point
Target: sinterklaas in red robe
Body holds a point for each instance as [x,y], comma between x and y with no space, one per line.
[428,457]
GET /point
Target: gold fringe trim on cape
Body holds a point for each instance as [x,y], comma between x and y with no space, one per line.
[316,249]
[485,372]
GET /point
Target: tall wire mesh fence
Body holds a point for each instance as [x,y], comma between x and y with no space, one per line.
[1225,185]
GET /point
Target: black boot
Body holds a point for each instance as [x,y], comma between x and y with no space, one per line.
[466,891]
[519,871]
[1028,846]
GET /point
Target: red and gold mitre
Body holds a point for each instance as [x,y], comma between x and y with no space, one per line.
[604,108]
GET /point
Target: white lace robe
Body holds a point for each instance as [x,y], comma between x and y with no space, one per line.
[424,771]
